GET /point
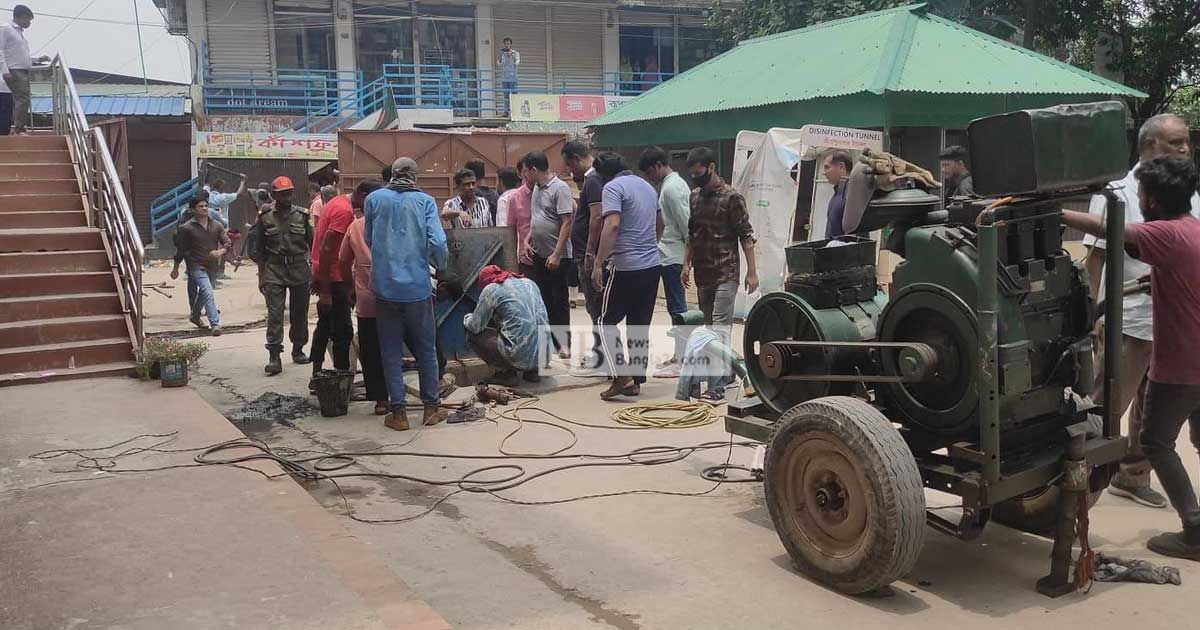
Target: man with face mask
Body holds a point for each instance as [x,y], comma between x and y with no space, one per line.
[284,236]
[718,223]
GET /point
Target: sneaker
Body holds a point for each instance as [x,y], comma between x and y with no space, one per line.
[668,370]
[580,371]
[713,397]
[216,331]
[397,420]
[195,319]
[1174,546]
[1145,495]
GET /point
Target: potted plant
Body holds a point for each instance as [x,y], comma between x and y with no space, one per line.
[169,358]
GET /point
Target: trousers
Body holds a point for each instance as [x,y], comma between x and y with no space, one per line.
[372,361]
[716,302]
[296,297]
[553,285]
[1135,360]
[1167,408]
[414,320]
[629,296]
[19,84]
[333,325]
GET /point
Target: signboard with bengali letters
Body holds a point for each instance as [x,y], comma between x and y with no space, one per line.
[562,107]
[271,146]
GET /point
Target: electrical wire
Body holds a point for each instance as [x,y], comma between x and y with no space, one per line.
[667,415]
[66,26]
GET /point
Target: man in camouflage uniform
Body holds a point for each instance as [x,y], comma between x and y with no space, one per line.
[281,240]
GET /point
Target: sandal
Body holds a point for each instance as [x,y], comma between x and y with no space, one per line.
[621,387]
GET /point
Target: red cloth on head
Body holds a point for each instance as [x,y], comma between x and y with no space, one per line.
[493,273]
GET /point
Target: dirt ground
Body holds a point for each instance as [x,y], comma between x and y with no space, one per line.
[646,560]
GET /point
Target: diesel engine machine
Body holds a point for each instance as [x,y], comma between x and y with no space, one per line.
[972,378]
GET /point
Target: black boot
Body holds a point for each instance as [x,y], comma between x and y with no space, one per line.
[298,356]
[274,366]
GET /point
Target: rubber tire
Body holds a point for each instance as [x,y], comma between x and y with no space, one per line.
[896,517]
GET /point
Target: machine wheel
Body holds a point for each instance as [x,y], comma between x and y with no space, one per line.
[845,494]
[1036,512]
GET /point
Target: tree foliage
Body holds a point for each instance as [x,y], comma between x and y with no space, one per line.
[1152,45]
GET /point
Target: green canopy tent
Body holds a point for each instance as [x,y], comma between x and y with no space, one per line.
[901,67]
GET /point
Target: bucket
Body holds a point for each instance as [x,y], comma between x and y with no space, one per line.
[173,373]
[333,391]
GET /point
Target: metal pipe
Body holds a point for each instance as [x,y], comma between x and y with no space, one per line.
[986,375]
[1114,275]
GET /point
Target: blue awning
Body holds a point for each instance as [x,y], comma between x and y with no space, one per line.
[115,105]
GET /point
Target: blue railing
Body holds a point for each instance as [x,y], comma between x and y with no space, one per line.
[347,109]
[330,95]
[164,210]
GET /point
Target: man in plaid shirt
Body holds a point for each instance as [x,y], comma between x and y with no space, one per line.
[718,223]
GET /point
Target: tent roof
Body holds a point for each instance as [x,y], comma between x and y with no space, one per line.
[893,52]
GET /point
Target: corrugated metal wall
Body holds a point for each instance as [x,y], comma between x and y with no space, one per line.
[577,42]
[526,25]
[159,160]
[233,42]
[258,171]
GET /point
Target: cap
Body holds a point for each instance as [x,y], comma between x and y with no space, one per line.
[404,165]
[281,183]
[953,152]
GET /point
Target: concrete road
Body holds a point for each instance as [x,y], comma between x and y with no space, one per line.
[652,560]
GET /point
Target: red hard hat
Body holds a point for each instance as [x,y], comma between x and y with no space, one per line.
[281,183]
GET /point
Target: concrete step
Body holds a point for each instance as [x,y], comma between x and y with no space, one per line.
[21,172]
[32,284]
[17,309]
[61,330]
[7,157]
[49,239]
[50,262]
[119,368]
[45,219]
[46,195]
[33,143]
[58,356]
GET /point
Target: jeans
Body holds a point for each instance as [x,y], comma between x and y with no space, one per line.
[1167,408]
[333,325]
[201,296]
[372,362]
[629,296]
[673,288]
[553,285]
[415,320]
[1135,359]
[717,304]
[296,297]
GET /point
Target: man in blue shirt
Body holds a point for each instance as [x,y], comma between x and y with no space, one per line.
[627,271]
[836,168]
[406,238]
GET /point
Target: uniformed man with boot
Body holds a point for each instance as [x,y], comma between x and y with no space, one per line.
[283,238]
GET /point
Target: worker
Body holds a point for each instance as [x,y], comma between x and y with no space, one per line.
[406,238]
[331,287]
[1169,242]
[283,235]
[201,243]
[504,329]
[1159,136]
[836,168]
[355,260]
[956,175]
[219,202]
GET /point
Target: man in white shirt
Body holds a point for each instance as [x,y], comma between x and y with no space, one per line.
[1160,136]
[15,63]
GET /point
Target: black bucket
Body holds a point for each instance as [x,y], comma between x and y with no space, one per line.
[333,391]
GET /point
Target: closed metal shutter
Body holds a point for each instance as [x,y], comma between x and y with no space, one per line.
[309,5]
[645,18]
[160,159]
[577,41]
[234,46]
[526,25]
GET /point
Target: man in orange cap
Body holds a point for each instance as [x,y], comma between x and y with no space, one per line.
[284,237]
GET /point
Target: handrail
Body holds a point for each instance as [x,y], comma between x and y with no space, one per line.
[107,206]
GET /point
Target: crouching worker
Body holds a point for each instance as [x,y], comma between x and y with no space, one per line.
[1168,241]
[505,326]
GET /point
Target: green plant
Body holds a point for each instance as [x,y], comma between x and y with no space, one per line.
[161,349]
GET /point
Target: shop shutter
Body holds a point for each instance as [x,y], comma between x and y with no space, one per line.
[234,45]
[305,5]
[526,25]
[577,41]
[645,18]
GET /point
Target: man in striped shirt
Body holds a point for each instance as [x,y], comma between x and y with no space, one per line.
[468,209]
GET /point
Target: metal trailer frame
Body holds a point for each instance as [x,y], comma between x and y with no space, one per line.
[986,476]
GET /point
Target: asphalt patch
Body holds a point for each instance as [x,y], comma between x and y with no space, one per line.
[270,409]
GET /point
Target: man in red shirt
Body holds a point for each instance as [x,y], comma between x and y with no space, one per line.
[333,305]
[1169,241]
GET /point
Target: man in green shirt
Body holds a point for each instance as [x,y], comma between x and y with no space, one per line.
[674,198]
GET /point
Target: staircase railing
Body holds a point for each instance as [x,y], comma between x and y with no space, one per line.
[108,208]
[164,210]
